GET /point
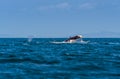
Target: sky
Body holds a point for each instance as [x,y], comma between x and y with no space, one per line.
[59,18]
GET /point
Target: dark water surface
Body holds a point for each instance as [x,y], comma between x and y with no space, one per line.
[41,59]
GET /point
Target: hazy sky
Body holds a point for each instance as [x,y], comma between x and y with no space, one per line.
[58,18]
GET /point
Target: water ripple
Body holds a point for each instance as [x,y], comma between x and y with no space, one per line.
[40,59]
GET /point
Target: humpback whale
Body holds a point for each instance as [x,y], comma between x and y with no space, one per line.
[74,38]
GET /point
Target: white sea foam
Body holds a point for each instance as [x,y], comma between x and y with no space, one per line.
[63,42]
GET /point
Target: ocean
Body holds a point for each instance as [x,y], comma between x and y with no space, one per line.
[42,59]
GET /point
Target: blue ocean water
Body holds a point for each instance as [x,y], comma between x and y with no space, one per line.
[41,59]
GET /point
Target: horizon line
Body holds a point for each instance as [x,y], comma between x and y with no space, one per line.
[57,37]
